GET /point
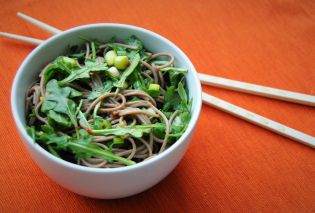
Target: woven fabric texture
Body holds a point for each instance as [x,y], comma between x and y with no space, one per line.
[231,165]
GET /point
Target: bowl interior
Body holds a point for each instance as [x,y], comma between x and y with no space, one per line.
[57,45]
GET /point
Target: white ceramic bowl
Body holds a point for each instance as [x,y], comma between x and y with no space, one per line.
[96,182]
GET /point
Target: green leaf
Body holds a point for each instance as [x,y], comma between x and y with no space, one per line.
[65,63]
[59,118]
[61,64]
[182,93]
[100,123]
[47,129]
[180,123]
[31,131]
[83,72]
[76,52]
[53,151]
[57,98]
[134,41]
[58,142]
[83,120]
[171,99]
[95,93]
[134,63]
[135,131]
[119,49]
[83,148]
[49,137]
[175,78]
[159,132]
[85,140]
[58,105]
[88,150]
[50,71]
[137,80]
[116,141]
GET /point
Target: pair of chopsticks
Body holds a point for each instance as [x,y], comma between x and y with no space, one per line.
[215,102]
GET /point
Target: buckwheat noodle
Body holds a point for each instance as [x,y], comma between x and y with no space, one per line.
[127,107]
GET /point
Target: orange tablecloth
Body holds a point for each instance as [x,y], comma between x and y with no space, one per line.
[231,165]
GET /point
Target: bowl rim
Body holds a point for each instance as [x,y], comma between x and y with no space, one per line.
[21,128]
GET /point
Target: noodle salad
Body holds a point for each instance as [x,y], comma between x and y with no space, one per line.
[108,105]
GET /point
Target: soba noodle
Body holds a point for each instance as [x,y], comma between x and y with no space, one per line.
[84,110]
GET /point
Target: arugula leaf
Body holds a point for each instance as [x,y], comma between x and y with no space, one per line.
[176,77]
[87,150]
[76,52]
[56,97]
[31,131]
[78,107]
[131,54]
[83,119]
[95,93]
[58,105]
[81,147]
[47,128]
[53,151]
[58,118]
[182,94]
[176,100]
[171,99]
[179,124]
[116,141]
[100,123]
[137,79]
[134,41]
[61,64]
[84,141]
[83,72]
[49,137]
[118,49]
[59,142]
[31,114]
[65,63]
[134,63]
[135,131]
[122,51]
[159,132]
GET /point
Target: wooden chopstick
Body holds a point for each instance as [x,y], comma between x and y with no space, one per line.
[221,104]
[39,24]
[258,120]
[255,89]
[22,38]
